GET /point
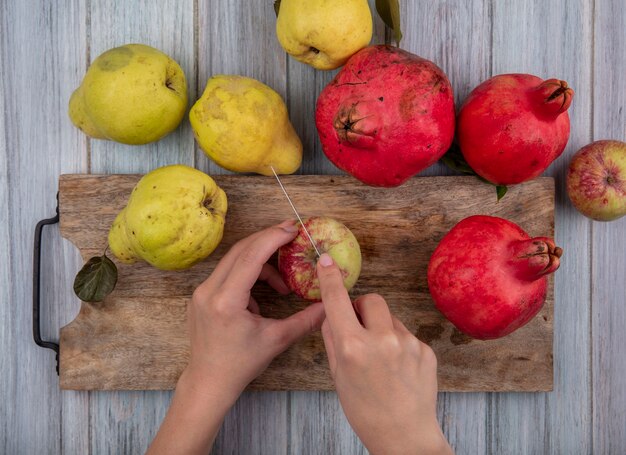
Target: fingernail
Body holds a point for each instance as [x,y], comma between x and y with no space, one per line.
[325,260]
[289,226]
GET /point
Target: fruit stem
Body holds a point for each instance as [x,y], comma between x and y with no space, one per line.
[534,258]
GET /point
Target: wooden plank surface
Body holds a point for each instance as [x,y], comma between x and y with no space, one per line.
[46,47]
[41,44]
[61,260]
[168,26]
[225,46]
[608,241]
[130,419]
[7,339]
[317,413]
[551,41]
[457,37]
[439,31]
[141,340]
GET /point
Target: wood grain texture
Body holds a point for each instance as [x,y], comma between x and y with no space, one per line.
[397,228]
[551,39]
[319,426]
[315,415]
[127,421]
[7,311]
[38,42]
[168,26]
[45,49]
[62,260]
[465,434]
[608,297]
[236,37]
[608,318]
[304,86]
[258,424]
[439,31]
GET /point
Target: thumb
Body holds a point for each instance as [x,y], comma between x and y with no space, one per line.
[287,331]
[339,309]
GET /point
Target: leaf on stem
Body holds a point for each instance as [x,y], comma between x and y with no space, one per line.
[389,12]
[454,160]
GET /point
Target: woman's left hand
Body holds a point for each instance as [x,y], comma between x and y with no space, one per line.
[231,343]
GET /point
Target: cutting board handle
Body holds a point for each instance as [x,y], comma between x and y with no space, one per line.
[37,287]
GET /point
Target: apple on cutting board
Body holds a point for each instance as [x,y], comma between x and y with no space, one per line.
[298,259]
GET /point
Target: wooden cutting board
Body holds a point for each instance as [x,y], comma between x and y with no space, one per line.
[136,338]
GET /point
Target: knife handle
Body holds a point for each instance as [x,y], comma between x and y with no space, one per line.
[37,287]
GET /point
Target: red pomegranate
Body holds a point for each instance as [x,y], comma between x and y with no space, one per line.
[488,277]
[387,115]
[513,126]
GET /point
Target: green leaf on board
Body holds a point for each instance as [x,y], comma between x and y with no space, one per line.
[389,12]
[277,7]
[96,279]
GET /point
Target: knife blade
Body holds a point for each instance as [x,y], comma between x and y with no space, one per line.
[306,231]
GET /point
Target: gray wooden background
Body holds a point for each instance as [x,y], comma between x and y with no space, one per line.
[46,48]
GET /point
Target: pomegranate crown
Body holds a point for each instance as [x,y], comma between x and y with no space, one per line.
[536,257]
[554,96]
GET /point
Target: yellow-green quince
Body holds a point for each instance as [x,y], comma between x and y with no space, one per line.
[132,94]
[242,125]
[174,218]
[324,33]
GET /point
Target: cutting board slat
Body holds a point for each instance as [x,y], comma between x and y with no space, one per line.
[137,339]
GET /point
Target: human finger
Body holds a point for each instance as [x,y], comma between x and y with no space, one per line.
[247,267]
[270,275]
[399,326]
[339,310]
[253,306]
[225,265]
[401,329]
[327,336]
[285,332]
[374,312]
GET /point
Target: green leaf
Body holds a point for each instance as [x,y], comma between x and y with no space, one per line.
[96,279]
[277,7]
[501,191]
[454,160]
[389,12]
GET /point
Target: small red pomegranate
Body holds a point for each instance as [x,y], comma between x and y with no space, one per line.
[488,277]
[387,115]
[513,126]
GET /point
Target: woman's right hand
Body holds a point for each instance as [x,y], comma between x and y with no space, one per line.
[386,379]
